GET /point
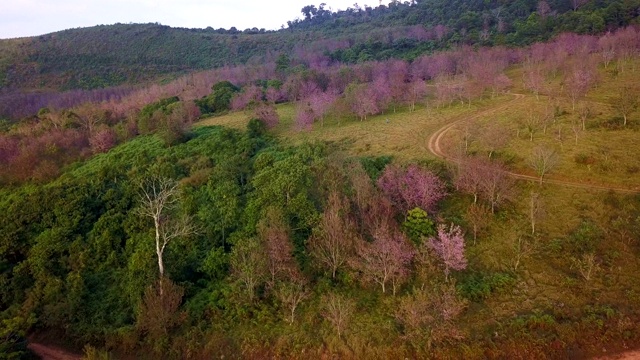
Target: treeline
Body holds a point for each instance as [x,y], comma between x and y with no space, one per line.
[105,56]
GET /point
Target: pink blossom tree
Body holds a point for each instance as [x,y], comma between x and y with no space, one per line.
[361,100]
[250,95]
[320,103]
[410,188]
[386,259]
[102,140]
[417,91]
[304,117]
[449,246]
[268,114]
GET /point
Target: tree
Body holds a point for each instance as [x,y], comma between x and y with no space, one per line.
[333,243]
[292,293]
[386,259]
[248,264]
[494,138]
[417,91]
[268,114]
[159,313]
[579,80]
[471,171]
[158,198]
[477,216]
[274,232]
[410,188]
[543,160]
[449,246]
[361,100]
[418,225]
[626,102]
[535,210]
[304,117]
[496,185]
[578,3]
[320,103]
[338,310]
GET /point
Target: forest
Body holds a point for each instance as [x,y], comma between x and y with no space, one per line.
[476,199]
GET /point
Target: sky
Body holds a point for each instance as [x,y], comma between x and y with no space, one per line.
[21,18]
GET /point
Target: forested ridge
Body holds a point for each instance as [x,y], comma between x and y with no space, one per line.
[109,55]
[292,207]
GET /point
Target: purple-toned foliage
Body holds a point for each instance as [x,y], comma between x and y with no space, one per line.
[449,246]
[304,117]
[267,114]
[103,140]
[361,100]
[386,259]
[411,187]
[250,95]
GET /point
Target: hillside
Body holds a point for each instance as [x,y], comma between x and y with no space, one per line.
[338,197]
[370,222]
[120,54]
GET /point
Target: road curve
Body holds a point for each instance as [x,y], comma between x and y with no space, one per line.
[435,148]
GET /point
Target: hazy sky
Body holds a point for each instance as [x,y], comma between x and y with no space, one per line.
[19,18]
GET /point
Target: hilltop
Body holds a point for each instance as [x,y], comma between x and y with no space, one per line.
[127,54]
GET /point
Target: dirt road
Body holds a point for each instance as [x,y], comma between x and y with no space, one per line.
[435,148]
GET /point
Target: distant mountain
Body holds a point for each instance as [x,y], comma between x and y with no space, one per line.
[117,54]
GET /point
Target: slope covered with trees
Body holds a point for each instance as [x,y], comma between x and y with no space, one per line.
[118,54]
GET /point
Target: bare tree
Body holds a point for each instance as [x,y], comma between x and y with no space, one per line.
[522,247]
[478,217]
[578,3]
[496,186]
[158,198]
[587,265]
[248,264]
[291,294]
[542,161]
[333,244]
[494,138]
[338,311]
[535,210]
[626,102]
[585,113]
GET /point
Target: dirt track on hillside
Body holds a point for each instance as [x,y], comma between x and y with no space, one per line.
[435,148]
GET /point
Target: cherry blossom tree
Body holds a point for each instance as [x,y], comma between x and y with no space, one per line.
[411,187]
[268,114]
[103,140]
[361,100]
[417,91]
[386,259]
[449,246]
[578,80]
[304,117]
